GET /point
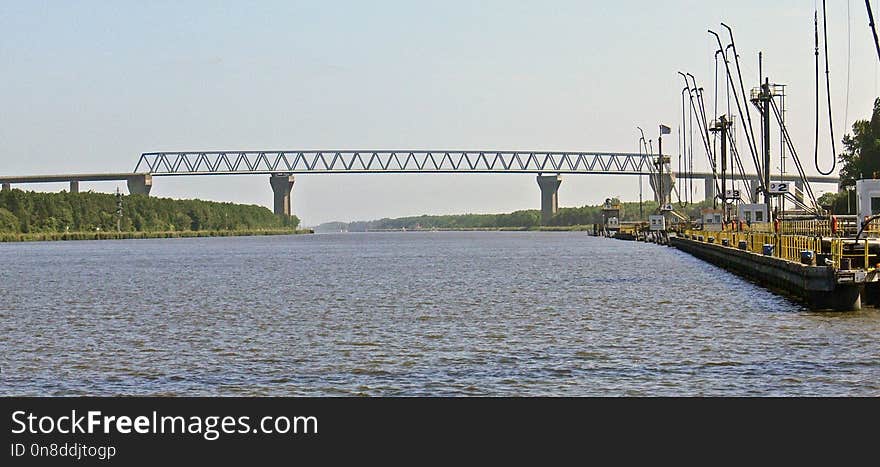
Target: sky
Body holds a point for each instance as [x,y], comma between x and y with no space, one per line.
[88,86]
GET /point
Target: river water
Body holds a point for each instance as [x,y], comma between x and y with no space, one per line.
[413,313]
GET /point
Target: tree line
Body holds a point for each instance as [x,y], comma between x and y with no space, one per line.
[585,215]
[35,212]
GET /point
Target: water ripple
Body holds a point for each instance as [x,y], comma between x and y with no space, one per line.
[410,314]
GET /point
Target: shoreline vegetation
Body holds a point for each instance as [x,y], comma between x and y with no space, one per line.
[37,216]
[544,228]
[567,219]
[113,235]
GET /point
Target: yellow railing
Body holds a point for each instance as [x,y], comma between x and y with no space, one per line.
[807,227]
[873,228]
[765,227]
[789,247]
[838,254]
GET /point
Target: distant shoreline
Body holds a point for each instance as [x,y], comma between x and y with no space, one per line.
[104,235]
[546,228]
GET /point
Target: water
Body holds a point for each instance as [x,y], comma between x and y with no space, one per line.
[416,313]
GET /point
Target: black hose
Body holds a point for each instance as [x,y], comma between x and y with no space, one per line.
[735,153]
[873,28]
[828,93]
[795,158]
[749,132]
[816,53]
[749,129]
[684,136]
[865,224]
[701,123]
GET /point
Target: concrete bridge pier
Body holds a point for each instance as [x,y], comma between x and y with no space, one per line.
[709,188]
[753,184]
[799,190]
[282,184]
[7,186]
[668,186]
[549,185]
[137,185]
[74,186]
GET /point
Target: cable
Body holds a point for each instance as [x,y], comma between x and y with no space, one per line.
[715,116]
[691,145]
[701,123]
[816,53]
[848,60]
[735,153]
[865,224]
[873,28]
[748,130]
[794,156]
[732,136]
[828,94]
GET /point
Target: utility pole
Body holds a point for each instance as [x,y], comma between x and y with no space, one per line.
[660,170]
[766,96]
[641,207]
[722,126]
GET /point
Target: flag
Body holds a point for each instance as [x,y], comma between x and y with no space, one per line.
[665,130]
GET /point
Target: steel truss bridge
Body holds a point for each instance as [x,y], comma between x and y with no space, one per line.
[282,165]
[390,161]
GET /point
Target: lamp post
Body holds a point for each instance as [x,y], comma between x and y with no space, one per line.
[641,142]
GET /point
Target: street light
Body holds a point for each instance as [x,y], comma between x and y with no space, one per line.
[641,142]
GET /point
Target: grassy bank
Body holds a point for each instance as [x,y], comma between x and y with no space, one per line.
[99,235]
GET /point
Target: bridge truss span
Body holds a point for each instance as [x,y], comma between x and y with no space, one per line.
[390,161]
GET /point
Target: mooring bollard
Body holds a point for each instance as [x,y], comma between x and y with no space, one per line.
[725,242]
[743,245]
[808,257]
[768,249]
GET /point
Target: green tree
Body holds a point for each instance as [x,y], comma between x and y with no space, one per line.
[861,156]
[8,221]
[55,212]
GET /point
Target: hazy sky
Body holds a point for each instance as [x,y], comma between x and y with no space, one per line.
[88,86]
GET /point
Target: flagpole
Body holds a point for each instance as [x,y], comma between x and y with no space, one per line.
[660,170]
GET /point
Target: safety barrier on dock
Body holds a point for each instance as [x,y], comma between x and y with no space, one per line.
[839,226]
[841,253]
